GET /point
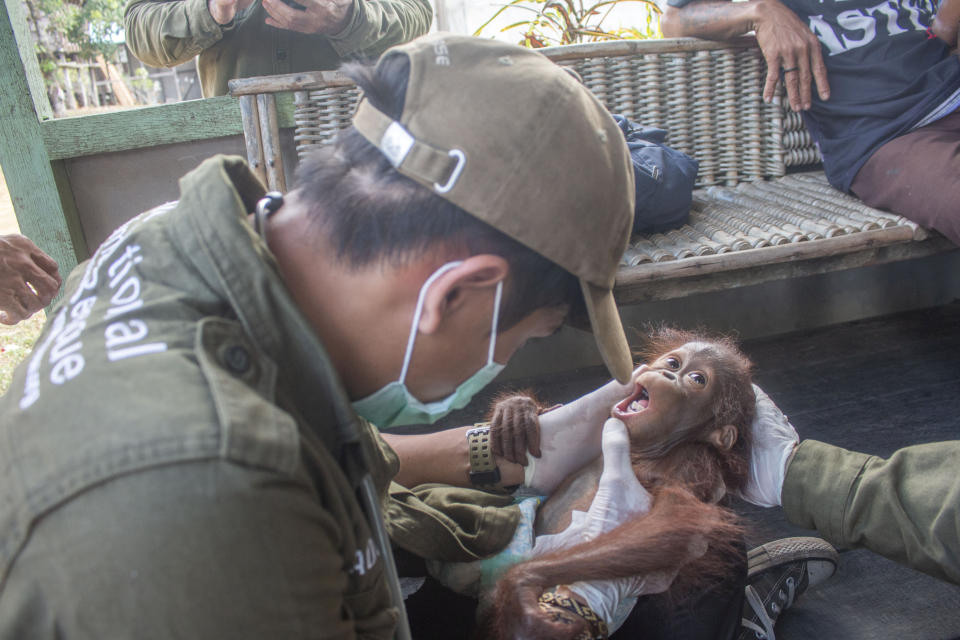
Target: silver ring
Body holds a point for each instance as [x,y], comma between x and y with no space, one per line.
[789,70]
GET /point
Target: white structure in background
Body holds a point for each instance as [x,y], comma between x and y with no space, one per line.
[465,16]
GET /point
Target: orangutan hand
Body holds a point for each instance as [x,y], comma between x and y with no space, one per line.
[523,617]
[515,428]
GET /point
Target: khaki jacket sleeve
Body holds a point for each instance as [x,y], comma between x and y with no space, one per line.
[906,508]
[377,25]
[165,33]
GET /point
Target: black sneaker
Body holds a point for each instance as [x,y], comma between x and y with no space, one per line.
[778,572]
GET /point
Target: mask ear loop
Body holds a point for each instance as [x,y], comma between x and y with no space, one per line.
[266,206]
[414,327]
[496,318]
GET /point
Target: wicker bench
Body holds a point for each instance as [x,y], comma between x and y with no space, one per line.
[754,217]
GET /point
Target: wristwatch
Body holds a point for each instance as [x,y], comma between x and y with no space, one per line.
[484,472]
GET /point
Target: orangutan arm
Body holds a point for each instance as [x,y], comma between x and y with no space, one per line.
[675,532]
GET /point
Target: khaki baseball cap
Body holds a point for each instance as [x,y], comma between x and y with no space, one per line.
[520,143]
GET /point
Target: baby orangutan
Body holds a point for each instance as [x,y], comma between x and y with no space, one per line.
[687,415]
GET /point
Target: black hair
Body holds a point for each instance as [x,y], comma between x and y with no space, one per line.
[371,212]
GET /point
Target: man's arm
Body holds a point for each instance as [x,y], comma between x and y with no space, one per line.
[165,34]
[787,44]
[444,457]
[946,21]
[375,26]
[903,508]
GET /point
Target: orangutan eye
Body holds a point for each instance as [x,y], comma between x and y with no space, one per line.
[673,363]
[698,378]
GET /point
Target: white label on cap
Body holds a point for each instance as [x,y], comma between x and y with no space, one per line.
[442,53]
[396,143]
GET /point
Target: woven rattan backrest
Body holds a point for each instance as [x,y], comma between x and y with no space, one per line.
[707,95]
[320,113]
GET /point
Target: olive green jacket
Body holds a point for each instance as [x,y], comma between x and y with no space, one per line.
[165,33]
[170,453]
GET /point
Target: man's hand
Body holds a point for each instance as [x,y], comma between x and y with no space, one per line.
[774,439]
[789,46]
[223,11]
[319,16]
[29,279]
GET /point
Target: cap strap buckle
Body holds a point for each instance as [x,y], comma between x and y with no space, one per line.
[411,157]
[455,174]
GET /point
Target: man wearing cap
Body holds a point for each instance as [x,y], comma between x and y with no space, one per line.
[192,449]
[243,38]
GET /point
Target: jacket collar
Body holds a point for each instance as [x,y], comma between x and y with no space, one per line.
[217,198]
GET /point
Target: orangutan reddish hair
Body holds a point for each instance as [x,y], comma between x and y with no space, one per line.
[688,417]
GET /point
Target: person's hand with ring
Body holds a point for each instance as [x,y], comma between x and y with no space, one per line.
[792,50]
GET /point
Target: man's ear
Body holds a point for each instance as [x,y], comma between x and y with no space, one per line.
[724,437]
[453,288]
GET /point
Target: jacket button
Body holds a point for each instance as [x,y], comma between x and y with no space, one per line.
[237,359]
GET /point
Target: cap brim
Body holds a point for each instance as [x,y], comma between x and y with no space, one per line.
[608,330]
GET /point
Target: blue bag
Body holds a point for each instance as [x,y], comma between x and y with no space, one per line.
[664,179]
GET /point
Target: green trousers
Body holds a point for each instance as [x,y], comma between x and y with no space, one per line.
[906,508]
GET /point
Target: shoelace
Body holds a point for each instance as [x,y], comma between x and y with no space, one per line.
[756,603]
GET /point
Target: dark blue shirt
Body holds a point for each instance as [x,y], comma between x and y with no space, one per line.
[887,77]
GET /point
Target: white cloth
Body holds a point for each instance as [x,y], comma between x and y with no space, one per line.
[774,439]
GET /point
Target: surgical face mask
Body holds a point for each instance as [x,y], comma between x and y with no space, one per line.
[394,405]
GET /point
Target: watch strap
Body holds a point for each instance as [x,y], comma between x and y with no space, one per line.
[484,473]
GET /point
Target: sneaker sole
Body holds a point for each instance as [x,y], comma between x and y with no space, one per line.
[787,550]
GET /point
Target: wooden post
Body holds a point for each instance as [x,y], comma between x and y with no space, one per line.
[176,83]
[270,137]
[64,70]
[84,97]
[23,155]
[250,115]
[93,84]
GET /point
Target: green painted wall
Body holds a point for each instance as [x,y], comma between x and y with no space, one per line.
[34,146]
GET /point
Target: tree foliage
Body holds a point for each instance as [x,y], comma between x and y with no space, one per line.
[555,22]
[94,26]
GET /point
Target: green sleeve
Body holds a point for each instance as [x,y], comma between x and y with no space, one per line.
[377,25]
[904,508]
[165,33]
[208,549]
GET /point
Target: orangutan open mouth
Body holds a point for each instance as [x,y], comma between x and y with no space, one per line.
[636,403]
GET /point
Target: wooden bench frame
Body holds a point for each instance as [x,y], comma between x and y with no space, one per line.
[707,96]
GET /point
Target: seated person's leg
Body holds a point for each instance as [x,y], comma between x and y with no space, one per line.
[917,175]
